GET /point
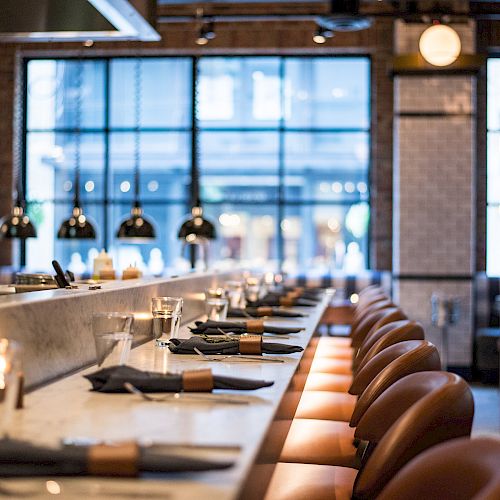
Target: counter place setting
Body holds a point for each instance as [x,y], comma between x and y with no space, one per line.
[126,384]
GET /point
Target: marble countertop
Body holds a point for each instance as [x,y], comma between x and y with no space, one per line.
[67,409]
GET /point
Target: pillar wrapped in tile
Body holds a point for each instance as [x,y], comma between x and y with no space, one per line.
[434,194]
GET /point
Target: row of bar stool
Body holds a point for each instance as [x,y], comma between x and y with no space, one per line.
[359,409]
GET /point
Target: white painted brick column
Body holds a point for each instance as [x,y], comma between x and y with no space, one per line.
[434,193]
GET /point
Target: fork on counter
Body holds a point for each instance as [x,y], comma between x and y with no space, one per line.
[222,357]
[182,396]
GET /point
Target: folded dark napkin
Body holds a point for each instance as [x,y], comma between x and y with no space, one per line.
[221,346]
[277,300]
[259,312]
[112,380]
[211,327]
[312,298]
[22,459]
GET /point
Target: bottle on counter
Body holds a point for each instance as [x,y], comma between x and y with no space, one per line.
[102,261]
[131,273]
[107,273]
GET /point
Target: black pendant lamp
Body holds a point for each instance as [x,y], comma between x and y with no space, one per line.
[137,228]
[77,227]
[17,224]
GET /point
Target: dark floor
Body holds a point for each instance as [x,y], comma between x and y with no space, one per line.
[487,409]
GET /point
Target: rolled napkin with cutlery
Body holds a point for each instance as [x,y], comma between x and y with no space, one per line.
[244,345]
[284,301]
[254,326]
[23,459]
[259,312]
[113,379]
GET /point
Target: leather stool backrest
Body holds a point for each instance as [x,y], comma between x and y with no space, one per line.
[378,302]
[387,335]
[380,361]
[421,356]
[374,321]
[459,469]
[444,413]
[393,402]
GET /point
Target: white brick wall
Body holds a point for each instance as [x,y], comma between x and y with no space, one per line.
[434,192]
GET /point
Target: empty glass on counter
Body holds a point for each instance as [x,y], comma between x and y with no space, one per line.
[167,314]
[216,304]
[236,294]
[253,289]
[113,337]
[10,380]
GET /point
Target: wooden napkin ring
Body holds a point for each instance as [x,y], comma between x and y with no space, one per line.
[255,326]
[113,460]
[287,301]
[198,380]
[264,311]
[251,344]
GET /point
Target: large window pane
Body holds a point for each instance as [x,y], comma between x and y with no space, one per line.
[165,92]
[247,234]
[51,166]
[322,238]
[53,94]
[239,92]
[239,166]
[327,92]
[164,165]
[326,166]
[493,169]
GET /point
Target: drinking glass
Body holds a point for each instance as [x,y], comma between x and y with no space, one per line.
[236,294]
[10,372]
[113,337]
[216,304]
[167,314]
[253,289]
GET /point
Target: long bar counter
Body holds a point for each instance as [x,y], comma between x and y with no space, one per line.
[68,409]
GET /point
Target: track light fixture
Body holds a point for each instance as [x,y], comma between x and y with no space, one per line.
[206,33]
[322,34]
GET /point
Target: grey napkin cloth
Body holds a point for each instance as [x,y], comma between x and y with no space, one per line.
[112,380]
[23,459]
[220,346]
[274,301]
[212,327]
[252,311]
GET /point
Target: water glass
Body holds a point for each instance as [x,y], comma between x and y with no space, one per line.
[236,294]
[216,304]
[167,314]
[113,337]
[253,289]
[10,372]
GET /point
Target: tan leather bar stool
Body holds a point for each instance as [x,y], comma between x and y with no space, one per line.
[446,412]
[344,366]
[392,364]
[326,442]
[331,348]
[393,333]
[460,469]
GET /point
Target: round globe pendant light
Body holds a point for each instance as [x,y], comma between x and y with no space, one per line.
[440,45]
[17,224]
[77,227]
[136,228]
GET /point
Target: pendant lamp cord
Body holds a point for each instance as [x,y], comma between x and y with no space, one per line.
[137,134]
[18,197]
[78,119]
[195,150]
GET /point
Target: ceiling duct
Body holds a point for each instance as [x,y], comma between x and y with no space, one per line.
[77,20]
[344,16]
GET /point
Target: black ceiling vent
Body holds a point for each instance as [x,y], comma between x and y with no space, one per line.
[344,16]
